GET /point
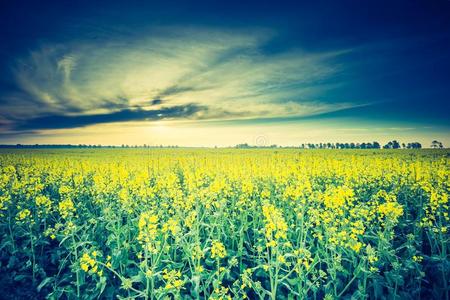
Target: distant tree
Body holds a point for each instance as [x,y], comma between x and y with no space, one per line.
[436,144]
[392,145]
[374,145]
[414,145]
[403,145]
[242,146]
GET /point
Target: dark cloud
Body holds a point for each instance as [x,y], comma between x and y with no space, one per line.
[125,115]
[156,101]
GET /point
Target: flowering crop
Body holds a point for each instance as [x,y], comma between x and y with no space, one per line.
[224,224]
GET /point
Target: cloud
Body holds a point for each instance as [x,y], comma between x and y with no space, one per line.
[126,115]
[227,74]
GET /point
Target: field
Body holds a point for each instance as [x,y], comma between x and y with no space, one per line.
[224,224]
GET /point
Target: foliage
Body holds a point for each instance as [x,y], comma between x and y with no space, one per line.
[222,224]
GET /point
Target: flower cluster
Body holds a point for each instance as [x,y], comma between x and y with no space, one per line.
[88,263]
[275,225]
[218,250]
[66,208]
[148,230]
[172,279]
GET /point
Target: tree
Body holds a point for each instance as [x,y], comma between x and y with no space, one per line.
[392,145]
[242,146]
[414,145]
[395,144]
[436,144]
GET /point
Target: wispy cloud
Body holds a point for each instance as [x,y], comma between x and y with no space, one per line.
[223,75]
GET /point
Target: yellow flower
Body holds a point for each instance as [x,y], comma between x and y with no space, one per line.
[190,219]
[127,283]
[281,259]
[87,262]
[66,208]
[172,279]
[200,269]
[85,267]
[171,226]
[23,214]
[392,210]
[218,250]
[44,203]
[303,257]
[417,258]
[148,228]
[275,225]
[357,246]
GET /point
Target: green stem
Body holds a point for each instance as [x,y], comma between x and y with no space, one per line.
[12,235]
[350,282]
[33,259]
[76,259]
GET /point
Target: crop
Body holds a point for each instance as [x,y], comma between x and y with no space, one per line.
[224,224]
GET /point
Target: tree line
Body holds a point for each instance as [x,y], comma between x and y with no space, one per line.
[369,145]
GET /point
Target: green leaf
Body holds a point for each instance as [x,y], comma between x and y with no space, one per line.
[44,282]
[101,285]
[20,277]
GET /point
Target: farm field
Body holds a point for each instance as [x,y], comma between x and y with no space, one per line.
[224,224]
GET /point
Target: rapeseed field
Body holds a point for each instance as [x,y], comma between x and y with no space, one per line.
[224,224]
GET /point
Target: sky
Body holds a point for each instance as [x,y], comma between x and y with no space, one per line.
[220,73]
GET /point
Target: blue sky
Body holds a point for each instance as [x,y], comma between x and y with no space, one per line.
[221,73]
